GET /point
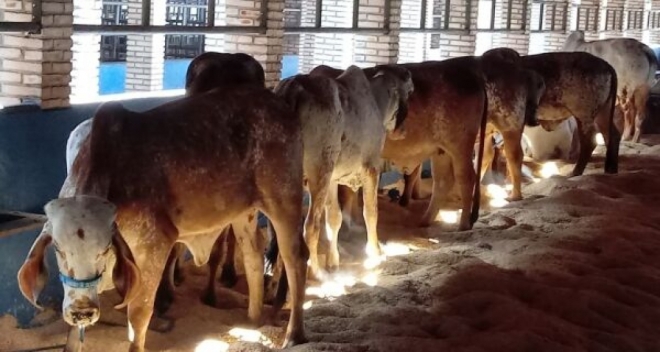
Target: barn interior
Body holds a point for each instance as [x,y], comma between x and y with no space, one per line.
[573,266]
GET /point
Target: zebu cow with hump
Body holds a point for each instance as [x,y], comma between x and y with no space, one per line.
[205,72]
[345,122]
[513,98]
[635,65]
[445,114]
[180,172]
[580,85]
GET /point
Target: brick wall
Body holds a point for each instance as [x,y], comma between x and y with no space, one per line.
[370,50]
[332,49]
[37,67]
[216,42]
[411,45]
[145,52]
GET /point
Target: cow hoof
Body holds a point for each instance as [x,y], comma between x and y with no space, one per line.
[161,325]
[514,198]
[228,276]
[295,340]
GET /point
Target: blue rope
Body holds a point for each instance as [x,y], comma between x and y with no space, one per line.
[75,283]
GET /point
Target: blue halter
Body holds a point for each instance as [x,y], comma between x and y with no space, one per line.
[75,283]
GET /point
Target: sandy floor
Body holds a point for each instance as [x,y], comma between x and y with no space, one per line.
[573,267]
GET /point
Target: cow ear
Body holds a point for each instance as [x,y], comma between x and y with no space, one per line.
[33,275]
[126,275]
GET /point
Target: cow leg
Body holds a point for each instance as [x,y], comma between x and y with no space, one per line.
[587,133]
[514,161]
[409,183]
[628,121]
[318,190]
[228,276]
[177,273]
[466,177]
[370,210]
[489,154]
[165,293]
[443,181]
[152,260]
[640,98]
[346,198]
[252,246]
[209,296]
[285,216]
[333,217]
[612,138]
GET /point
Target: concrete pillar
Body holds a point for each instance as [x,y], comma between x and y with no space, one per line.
[370,50]
[37,67]
[267,49]
[520,18]
[216,42]
[86,50]
[145,53]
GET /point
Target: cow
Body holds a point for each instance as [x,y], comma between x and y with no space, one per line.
[635,65]
[581,85]
[205,72]
[345,121]
[143,181]
[513,97]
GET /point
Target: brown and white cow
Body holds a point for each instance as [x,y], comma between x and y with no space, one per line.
[207,71]
[180,172]
[345,122]
[445,114]
[635,65]
[513,97]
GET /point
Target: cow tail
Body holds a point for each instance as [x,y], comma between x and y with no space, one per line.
[612,153]
[476,197]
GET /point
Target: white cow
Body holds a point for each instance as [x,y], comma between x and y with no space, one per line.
[76,138]
[635,65]
[345,122]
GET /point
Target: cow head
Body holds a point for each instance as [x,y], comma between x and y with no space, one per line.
[399,83]
[574,40]
[83,232]
[504,54]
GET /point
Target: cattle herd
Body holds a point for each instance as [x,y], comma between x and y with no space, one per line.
[194,173]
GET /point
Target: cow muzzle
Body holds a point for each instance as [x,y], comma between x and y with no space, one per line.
[81,315]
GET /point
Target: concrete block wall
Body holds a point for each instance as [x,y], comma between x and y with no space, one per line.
[554,41]
[292,18]
[37,67]
[86,50]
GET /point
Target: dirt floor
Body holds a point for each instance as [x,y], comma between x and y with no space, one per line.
[573,267]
